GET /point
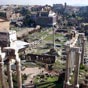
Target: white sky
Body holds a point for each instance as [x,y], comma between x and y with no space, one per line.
[43,2]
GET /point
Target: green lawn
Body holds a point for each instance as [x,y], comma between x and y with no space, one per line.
[49,38]
[48,82]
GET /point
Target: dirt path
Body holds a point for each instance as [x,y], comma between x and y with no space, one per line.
[31,72]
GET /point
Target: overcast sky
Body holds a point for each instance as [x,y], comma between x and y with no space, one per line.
[43,2]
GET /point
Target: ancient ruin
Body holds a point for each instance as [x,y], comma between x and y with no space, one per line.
[75,57]
[9,47]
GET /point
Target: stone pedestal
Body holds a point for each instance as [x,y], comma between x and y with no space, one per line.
[76,86]
[66,85]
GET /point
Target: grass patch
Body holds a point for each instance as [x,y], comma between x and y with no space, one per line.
[48,82]
[29,64]
[49,38]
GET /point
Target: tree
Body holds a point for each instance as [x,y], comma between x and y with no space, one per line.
[28,21]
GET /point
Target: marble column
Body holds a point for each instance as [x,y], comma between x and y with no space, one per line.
[2,73]
[9,74]
[82,55]
[72,57]
[67,74]
[76,69]
[18,69]
[82,40]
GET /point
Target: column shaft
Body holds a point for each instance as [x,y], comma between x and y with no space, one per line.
[2,74]
[9,74]
[67,74]
[53,38]
[76,70]
[82,55]
[71,62]
[18,68]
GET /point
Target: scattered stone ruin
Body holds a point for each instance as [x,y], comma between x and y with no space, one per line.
[47,60]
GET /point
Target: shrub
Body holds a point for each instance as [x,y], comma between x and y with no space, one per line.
[82,67]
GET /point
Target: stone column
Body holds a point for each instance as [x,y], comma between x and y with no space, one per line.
[2,73]
[9,74]
[47,67]
[72,57]
[73,60]
[53,37]
[18,69]
[82,40]
[76,69]
[82,55]
[67,74]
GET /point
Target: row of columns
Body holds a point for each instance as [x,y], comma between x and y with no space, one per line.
[75,57]
[9,72]
[72,64]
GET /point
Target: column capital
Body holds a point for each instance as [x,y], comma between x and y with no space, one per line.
[76,49]
[67,47]
[81,34]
